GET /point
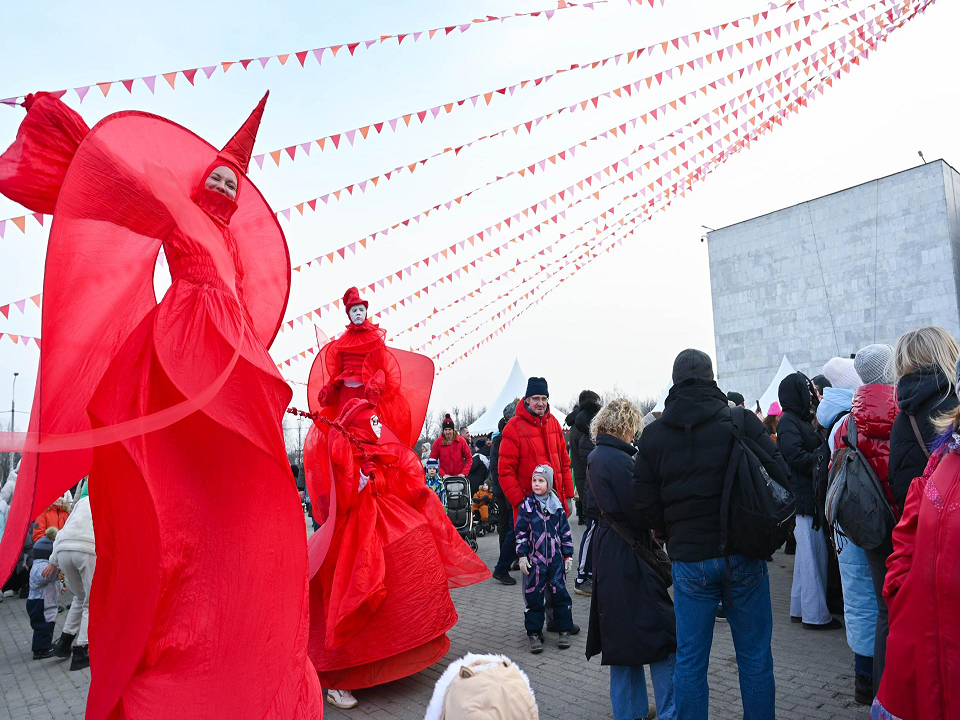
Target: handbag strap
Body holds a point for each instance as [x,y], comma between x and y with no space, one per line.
[919,435]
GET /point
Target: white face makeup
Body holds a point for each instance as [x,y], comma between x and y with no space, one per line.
[375,425]
[357,314]
[223,180]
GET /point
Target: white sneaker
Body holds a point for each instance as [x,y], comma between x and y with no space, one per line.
[342,699]
[8,593]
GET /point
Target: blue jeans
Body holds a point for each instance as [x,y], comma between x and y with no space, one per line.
[628,690]
[698,587]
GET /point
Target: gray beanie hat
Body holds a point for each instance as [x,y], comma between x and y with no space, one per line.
[692,363]
[873,364]
[546,472]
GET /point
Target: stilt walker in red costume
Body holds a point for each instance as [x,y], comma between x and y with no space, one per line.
[199,607]
[386,554]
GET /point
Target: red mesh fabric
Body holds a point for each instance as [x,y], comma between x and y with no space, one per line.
[33,168]
[125,375]
[392,556]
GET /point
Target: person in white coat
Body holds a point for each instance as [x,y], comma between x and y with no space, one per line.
[74,553]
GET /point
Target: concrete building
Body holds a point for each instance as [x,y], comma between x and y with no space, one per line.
[830,275]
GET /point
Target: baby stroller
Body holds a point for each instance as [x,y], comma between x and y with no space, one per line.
[458,507]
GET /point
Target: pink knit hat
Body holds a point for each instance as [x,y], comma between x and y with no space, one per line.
[774,410]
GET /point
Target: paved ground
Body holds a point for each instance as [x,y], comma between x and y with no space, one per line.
[814,669]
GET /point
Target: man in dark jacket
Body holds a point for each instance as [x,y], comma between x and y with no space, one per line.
[590,405]
[576,467]
[679,476]
[480,468]
[508,552]
[798,442]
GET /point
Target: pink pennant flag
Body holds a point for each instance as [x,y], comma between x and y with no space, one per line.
[318,54]
[416,35]
[151,82]
[369,43]
[350,135]
[259,160]
[393,124]
[362,185]
[21,305]
[209,70]
[3,227]
[286,213]
[264,61]
[82,91]
[12,102]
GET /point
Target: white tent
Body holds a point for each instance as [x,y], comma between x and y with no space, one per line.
[771,394]
[515,387]
[663,398]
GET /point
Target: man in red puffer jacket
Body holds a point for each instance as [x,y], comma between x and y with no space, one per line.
[874,410]
[532,437]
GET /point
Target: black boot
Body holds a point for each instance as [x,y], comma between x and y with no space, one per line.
[863,690]
[41,654]
[62,647]
[790,548]
[81,658]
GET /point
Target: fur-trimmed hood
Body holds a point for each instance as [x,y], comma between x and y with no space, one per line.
[508,690]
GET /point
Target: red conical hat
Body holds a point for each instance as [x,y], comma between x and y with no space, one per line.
[352,297]
[237,152]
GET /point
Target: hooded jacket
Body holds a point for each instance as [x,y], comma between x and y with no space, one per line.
[528,441]
[923,394]
[875,409]
[797,439]
[77,535]
[584,447]
[682,464]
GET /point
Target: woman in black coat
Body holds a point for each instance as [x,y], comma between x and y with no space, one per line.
[631,614]
[798,441]
[924,362]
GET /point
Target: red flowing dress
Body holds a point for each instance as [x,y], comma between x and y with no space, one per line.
[199,605]
[380,603]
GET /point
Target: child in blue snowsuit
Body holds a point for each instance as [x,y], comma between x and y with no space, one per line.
[434,482]
[545,549]
[44,596]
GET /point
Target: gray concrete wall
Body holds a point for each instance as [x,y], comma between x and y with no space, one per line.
[828,276]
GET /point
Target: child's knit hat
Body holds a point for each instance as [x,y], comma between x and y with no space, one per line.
[432,463]
[546,472]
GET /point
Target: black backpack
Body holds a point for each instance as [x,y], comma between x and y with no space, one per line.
[757,513]
[855,505]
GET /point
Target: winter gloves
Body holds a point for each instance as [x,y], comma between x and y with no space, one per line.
[525,564]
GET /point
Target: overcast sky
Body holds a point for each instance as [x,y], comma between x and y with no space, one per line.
[618,321]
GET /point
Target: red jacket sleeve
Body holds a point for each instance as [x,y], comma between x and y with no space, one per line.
[467,457]
[435,450]
[508,463]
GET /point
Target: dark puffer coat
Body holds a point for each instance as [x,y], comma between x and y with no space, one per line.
[573,444]
[682,464]
[797,440]
[924,394]
[584,447]
[631,613]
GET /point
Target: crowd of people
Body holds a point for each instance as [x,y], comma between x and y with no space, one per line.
[873,441]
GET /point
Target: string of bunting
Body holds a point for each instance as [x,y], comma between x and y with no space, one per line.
[742,144]
[454,247]
[20,339]
[334,140]
[20,305]
[302,56]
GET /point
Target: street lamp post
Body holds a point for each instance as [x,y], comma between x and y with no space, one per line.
[13,401]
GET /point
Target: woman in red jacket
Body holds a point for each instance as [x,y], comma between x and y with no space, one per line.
[921,590]
[451,450]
